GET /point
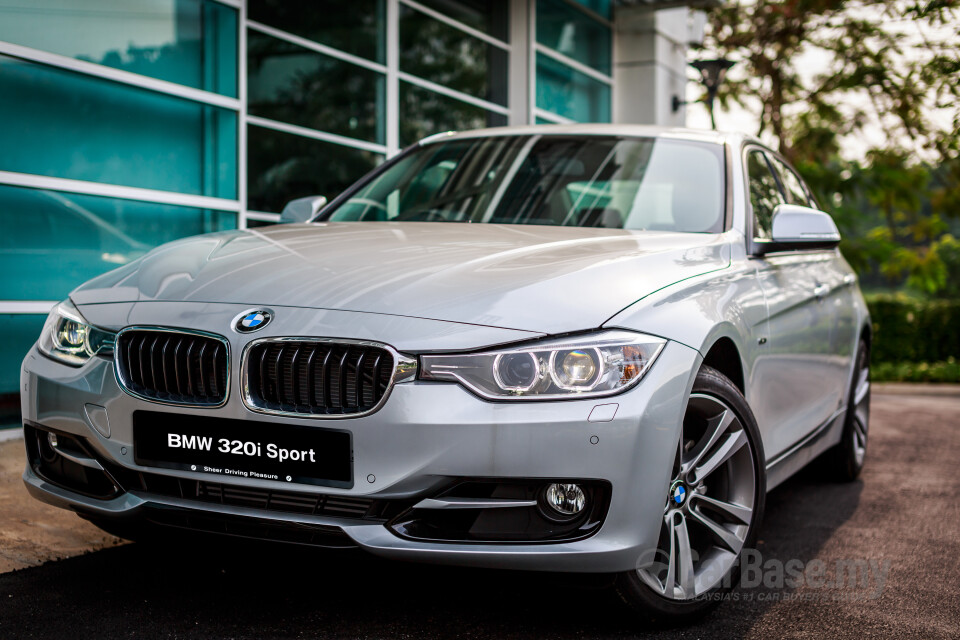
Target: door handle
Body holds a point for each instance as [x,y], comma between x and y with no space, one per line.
[821,290]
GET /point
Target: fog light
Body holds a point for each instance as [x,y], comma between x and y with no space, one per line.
[47,446]
[565,499]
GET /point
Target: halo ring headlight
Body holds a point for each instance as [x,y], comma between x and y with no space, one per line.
[518,372]
[583,366]
[66,337]
[576,369]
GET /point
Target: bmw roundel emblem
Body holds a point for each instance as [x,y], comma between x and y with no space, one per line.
[253,320]
[679,494]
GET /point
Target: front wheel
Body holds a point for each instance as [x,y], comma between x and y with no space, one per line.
[712,509]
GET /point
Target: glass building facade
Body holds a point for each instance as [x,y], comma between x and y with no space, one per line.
[130,123]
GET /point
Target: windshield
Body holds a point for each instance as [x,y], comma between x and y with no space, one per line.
[577,181]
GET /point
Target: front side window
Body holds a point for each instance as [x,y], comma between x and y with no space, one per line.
[579,181]
[792,185]
[765,193]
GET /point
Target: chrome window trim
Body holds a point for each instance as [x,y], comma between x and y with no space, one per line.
[404,370]
[203,334]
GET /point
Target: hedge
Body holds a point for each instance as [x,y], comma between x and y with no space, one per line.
[907,330]
[948,371]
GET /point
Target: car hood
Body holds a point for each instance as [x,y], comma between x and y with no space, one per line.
[534,278]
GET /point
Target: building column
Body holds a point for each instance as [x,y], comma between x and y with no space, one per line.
[520,97]
[650,63]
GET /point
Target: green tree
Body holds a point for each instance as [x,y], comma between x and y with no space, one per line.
[892,66]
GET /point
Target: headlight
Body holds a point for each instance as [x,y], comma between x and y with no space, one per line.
[598,364]
[68,338]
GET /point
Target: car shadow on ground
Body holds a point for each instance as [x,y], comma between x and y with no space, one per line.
[243,590]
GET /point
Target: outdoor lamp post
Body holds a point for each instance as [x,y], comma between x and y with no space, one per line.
[712,73]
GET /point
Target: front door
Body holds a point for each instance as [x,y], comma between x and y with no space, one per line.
[798,379]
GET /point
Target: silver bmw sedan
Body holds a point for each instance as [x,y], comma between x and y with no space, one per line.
[585,348]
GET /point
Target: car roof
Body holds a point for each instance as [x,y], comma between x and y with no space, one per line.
[629,130]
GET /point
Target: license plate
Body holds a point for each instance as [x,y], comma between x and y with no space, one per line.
[243,449]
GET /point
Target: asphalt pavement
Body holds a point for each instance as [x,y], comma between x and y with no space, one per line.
[879,557]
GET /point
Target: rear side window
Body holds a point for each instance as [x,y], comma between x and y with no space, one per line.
[765,193]
[796,194]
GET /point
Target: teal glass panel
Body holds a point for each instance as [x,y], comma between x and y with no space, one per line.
[437,52]
[569,93]
[19,334]
[53,241]
[66,125]
[299,86]
[424,112]
[573,33]
[189,42]
[488,16]
[282,166]
[353,26]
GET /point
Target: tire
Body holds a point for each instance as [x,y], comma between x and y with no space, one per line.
[844,461]
[718,427]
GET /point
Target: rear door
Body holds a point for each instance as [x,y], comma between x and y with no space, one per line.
[797,382]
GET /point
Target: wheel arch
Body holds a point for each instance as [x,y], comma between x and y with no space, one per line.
[866,333]
[724,356]
[723,317]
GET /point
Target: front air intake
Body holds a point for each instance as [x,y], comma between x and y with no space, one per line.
[173,366]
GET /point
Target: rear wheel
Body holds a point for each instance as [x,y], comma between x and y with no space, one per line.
[711,512]
[845,460]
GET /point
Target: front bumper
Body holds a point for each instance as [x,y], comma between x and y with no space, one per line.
[424,437]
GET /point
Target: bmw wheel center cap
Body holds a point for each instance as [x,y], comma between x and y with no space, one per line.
[253,320]
[679,494]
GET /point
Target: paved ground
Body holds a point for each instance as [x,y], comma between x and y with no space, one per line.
[903,515]
[32,533]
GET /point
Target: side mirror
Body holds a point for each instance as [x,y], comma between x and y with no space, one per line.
[302,209]
[799,228]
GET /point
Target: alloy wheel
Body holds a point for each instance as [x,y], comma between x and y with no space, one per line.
[710,504]
[861,408]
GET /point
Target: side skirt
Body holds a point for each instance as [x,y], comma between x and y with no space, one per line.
[803,452]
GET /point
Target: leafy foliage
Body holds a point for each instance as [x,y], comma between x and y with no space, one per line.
[911,330]
[948,371]
[821,76]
